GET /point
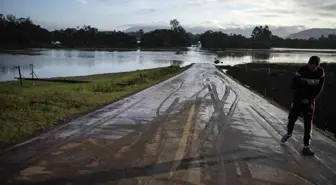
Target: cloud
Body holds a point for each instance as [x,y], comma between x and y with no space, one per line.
[325,7]
[221,14]
[271,15]
[278,7]
[314,5]
[82,1]
[242,12]
[314,19]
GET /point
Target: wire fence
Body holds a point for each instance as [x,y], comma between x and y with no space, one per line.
[21,77]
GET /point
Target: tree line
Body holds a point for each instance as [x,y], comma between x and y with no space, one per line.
[262,37]
[90,37]
[23,33]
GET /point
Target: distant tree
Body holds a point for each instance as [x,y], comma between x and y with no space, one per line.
[261,33]
[257,32]
[164,38]
[266,34]
[11,18]
[175,37]
[276,38]
[193,38]
[332,37]
[141,32]
[174,24]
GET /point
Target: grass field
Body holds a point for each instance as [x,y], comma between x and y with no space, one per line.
[29,110]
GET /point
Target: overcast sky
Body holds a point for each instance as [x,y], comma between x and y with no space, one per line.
[121,14]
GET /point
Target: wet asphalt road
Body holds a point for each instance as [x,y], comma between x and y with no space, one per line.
[199,127]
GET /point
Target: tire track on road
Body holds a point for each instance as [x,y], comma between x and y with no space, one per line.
[14,168]
[304,172]
[175,106]
[304,164]
[292,149]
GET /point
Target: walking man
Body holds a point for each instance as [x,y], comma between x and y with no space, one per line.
[307,83]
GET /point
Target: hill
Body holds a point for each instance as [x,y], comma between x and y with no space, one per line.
[281,31]
[315,33]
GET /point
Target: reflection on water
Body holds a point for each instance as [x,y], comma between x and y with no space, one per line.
[256,57]
[276,55]
[66,53]
[261,55]
[232,54]
[176,63]
[55,63]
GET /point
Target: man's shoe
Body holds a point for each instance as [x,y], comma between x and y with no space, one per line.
[306,151]
[285,138]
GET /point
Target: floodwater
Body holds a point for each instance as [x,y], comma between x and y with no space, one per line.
[56,63]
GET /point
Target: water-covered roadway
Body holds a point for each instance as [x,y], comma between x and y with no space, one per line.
[199,127]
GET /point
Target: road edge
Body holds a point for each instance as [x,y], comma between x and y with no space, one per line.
[324,133]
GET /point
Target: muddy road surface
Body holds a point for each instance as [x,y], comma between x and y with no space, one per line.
[198,128]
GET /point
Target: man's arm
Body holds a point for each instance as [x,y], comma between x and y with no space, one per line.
[318,89]
[297,83]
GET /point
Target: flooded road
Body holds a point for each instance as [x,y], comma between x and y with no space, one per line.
[197,128]
[56,63]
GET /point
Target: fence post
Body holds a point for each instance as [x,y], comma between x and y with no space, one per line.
[20,76]
[32,73]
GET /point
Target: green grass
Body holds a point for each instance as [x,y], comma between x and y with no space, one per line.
[29,110]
